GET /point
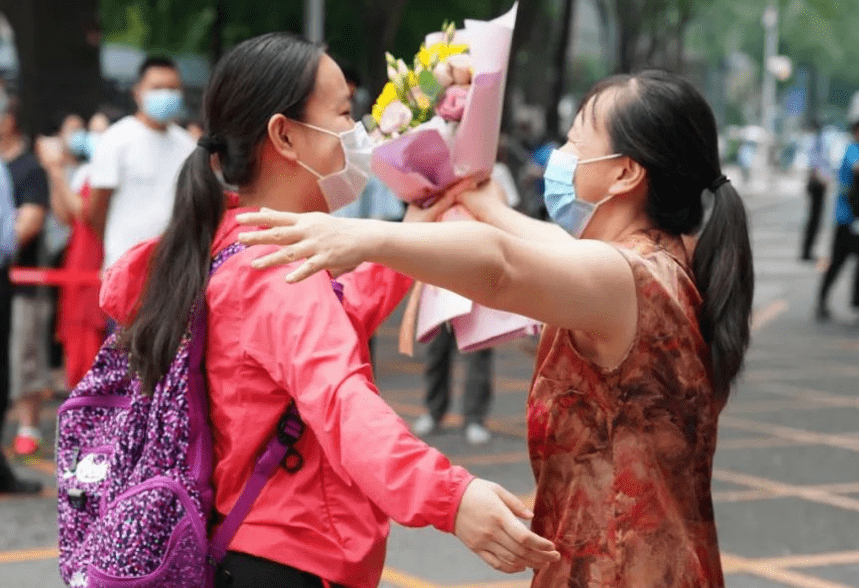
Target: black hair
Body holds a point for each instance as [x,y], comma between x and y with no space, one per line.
[155,61]
[258,78]
[351,74]
[661,121]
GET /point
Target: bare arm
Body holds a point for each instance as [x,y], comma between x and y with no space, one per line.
[66,204]
[96,212]
[577,284]
[28,222]
[488,204]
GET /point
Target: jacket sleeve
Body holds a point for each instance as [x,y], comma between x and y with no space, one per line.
[372,292]
[301,335]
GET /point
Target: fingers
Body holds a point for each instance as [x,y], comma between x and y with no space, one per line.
[305,270]
[278,235]
[281,256]
[499,564]
[267,217]
[526,547]
[514,503]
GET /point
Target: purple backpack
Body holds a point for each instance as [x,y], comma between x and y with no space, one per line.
[133,472]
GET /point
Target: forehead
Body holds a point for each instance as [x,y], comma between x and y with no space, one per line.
[160,76]
[330,90]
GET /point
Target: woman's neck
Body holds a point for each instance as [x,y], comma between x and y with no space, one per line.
[275,192]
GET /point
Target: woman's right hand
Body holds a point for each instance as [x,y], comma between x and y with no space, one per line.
[482,200]
[487,523]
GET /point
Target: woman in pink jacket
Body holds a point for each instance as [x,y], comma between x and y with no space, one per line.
[279,127]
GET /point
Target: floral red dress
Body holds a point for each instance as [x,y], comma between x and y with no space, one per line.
[623,456]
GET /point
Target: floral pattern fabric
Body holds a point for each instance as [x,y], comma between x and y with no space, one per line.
[623,456]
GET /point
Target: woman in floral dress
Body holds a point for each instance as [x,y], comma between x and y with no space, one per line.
[644,283]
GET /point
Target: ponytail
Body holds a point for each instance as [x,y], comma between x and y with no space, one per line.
[266,75]
[724,274]
[178,271]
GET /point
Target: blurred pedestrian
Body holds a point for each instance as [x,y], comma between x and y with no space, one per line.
[478,388]
[845,240]
[31,376]
[9,482]
[819,174]
[135,165]
[81,323]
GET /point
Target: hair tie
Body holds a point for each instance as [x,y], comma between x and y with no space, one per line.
[717,183]
[212,144]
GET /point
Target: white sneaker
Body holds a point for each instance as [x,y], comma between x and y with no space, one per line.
[477,434]
[424,425]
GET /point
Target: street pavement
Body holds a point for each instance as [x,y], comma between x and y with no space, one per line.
[786,473]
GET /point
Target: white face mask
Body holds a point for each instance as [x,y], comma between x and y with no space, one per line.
[345,186]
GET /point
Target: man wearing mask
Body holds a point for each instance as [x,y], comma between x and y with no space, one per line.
[136,162]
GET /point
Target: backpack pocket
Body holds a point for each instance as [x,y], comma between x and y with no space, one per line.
[87,426]
[151,536]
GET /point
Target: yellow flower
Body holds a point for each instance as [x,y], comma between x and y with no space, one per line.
[388,95]
[429,56]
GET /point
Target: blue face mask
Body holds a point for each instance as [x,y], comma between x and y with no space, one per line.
[559,195]
[162,105]
[77,143]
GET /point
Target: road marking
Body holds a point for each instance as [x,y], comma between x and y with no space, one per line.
[770,568]
[492,459]
[791,433]
[770,312]
[22,555]
[809,493]
[736,565]
[812,561]
[758,443]
[404,580]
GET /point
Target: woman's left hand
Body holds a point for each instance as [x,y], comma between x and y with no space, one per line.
[323,241]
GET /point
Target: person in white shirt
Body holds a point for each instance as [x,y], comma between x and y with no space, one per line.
[137,161]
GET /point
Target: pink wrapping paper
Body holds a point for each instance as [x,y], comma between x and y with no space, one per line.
[423,162]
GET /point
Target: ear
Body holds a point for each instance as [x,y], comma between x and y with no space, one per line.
[630,177]
[281,135]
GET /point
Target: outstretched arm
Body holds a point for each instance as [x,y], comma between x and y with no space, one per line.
[488,205]
[576,284]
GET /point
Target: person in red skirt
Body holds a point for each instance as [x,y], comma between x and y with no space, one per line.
[81,324]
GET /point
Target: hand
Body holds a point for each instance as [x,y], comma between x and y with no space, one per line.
[486,523]
[482,199]
[50,152]
[323,241]
[415,213]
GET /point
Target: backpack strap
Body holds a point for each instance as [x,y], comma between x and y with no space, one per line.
[279,448]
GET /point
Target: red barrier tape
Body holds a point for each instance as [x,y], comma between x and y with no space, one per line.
[37,276]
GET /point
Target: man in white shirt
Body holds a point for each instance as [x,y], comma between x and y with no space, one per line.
[137,161]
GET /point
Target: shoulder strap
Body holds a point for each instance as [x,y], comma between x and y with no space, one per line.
[279,447]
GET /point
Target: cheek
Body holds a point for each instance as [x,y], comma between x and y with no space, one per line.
[589,186]
[328,155]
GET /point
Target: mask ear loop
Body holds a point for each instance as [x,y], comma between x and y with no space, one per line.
[310,169]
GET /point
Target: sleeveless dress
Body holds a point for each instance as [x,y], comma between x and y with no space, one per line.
[622,457]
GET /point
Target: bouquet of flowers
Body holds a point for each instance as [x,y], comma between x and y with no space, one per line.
[440,121]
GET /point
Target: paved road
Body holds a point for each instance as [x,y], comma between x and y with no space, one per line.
[786,479]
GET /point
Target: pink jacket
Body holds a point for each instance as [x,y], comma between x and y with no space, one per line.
[270,341]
